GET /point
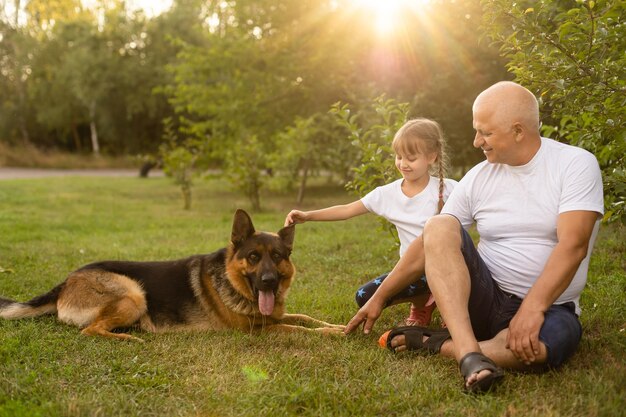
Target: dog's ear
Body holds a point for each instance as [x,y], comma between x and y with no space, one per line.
[242,227]
[287,235]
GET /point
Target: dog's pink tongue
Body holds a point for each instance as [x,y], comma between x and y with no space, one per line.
[266,302]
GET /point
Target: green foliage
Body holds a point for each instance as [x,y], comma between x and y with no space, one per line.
[69,69]
[371,130]
[571,54]
[179,160]
[255,73]
[245,167]
[307,147]
[295,152]
[16,60]
[248,64]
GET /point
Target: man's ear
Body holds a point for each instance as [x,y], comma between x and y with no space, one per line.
[518,129]
[287,235]
[242,227]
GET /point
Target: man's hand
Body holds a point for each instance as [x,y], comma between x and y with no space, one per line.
[574,229]
[523,336]
[369,313]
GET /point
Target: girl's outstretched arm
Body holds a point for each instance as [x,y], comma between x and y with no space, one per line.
[340,212]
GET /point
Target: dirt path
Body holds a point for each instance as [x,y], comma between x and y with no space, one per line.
[15,173]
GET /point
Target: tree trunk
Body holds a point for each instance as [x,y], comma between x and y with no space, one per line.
[94,132]
[255,197]
[76,137]
[19,83]
[24,131]
[305,175]
[186,189]
[17,12]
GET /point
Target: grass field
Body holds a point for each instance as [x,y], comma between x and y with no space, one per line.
[50,227]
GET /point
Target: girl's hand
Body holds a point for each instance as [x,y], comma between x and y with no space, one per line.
[296,217]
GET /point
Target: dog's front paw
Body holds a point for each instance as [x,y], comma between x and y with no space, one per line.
[335,330]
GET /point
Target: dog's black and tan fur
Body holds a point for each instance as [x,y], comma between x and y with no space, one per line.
[242,286]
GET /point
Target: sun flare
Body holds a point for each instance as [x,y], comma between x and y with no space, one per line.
[387,13]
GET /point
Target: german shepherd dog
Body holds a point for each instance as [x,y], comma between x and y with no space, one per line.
[242,287]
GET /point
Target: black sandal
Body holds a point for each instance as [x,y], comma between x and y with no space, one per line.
[473,363]
[414,338]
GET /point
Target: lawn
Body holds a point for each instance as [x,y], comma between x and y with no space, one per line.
[50,227]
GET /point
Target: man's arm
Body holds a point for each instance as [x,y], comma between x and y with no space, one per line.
[574,229]
[408,269]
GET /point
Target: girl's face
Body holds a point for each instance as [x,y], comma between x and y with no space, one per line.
[414,167]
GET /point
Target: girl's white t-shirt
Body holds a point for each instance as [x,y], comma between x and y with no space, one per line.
[516,209]
[408,214]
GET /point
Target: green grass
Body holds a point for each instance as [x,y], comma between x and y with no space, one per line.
[50,227]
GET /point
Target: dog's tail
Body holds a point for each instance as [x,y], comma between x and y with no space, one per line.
[38,306]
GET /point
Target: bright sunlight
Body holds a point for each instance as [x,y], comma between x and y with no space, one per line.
[388,13]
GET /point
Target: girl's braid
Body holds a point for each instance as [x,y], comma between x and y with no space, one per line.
[442,165]
[441,186]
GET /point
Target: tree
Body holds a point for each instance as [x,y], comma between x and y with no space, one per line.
[71,58]
[308,146]
[437,63]
[239,69]
[571,55]
[262,64]
[179,160]
[16,57]
[371,130]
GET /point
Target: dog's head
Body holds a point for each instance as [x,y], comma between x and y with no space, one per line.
[258,264]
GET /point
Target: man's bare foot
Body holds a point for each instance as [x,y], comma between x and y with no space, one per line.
[414,338]
[475,377]
[479,372]
[399,343]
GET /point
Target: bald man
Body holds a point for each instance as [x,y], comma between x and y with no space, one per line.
[512,302]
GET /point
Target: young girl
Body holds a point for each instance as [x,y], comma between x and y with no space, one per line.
[407,203]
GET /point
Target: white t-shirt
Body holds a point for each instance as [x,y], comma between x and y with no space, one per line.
[409,215]
[516,210]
